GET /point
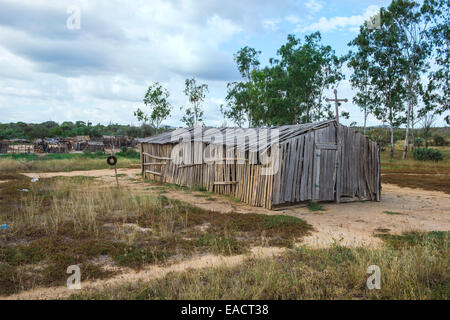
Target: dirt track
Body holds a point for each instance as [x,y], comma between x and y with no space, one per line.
[148,273]
[350,224]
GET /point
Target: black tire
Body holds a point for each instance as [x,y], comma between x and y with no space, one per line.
[111,160]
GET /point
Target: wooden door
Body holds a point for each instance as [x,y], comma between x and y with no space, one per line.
[324,172]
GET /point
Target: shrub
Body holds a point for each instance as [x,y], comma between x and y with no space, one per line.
[438,140]
[129,153]
[380,136]
[419,142]
[424,154]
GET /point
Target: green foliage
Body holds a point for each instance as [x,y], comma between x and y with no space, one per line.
[438,14]
[242,97]
[424,154]
[290,90]
[438,140]
[31,131]
[419,142]
[156,99]
[128,153]
[392,213]
[196,94]
[314,207]
[380,136]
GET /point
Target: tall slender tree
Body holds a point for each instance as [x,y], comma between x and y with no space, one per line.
[409,20]
[438,15]
[385,72]
[360,79]
[196,94]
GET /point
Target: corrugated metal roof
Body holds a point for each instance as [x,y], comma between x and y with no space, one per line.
[234,134]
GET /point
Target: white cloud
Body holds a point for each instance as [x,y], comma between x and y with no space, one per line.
[314,5]
[338,23]
[293,19]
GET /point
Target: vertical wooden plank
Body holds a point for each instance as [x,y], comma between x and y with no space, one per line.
[338,161]
[316,184]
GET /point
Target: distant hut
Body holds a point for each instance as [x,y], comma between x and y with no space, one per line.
[80,143]
[315,162]
[94,146]
[4,146]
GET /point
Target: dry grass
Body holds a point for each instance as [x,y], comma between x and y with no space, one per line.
[426,182]
[8,165]
[74,220]
[409,165]
[413,266]
[427,175]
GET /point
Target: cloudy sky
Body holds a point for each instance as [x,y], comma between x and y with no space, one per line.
[100,71]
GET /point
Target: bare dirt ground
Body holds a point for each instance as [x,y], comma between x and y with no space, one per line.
[350,224]
[148,273]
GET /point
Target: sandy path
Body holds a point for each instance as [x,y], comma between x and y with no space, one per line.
[102,173]
[351,224]
[148,273]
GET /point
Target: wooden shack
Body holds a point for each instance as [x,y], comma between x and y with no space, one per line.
[315,162]
[94,146]
[4,146]
[80,143]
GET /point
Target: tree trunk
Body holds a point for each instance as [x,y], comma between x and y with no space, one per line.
[405,148]
[408,116]
[365,119]
[413,142]
[392,142]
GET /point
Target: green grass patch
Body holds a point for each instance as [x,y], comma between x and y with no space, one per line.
[438,239]
[392,213]
[225,245]
[314,207]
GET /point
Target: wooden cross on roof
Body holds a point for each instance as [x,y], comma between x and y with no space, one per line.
[336,101]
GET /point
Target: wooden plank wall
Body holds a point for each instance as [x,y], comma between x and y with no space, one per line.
[302,175]
[241,181]
[360,166]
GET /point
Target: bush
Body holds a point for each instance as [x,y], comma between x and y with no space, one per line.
[380,136]
[129,153]
[424,154]
[438,140]
[419,142]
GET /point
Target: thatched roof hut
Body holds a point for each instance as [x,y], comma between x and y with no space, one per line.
[270,168]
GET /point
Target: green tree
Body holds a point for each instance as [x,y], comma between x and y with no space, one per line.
[386,74]
[241,95]
[196,94]
[410,21]
[156,99]
[438,16]
[360,79]
[55,132]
